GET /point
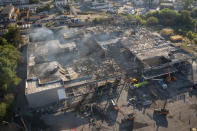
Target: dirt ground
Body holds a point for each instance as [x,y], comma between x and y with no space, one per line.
[182,106]
[181,102]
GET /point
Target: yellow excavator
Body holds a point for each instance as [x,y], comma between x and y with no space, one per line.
[134,81]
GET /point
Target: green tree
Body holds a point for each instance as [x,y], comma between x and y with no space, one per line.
[3,41]
[131,17]
[185,19]
[2,110]
[191,35]
[67,7]
[9,98]
[149,14]
[99,20]
[140,20]
[48,7]
[167,17]
[152,21]
[34,1]
[194,13]
[13,35]
[195,40]
[8,64]
[44,8]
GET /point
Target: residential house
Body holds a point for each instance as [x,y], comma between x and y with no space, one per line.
[146,3]
[7,13]
[14,2]
[61,2]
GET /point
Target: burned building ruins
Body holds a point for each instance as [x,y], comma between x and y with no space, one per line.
[67,64]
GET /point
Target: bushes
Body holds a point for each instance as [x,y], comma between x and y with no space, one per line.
[191,35]
[2,110]
[6,106]
[140,20]
[183,22]
[3,41]
[101,20]
[152,21]
[34,1]
[194,13]
[13,35]
[167,17]
[9,58]
[195,40]
[98,20]
[9,98]
[185,19]
[131,17]
[67,7]
[44,8]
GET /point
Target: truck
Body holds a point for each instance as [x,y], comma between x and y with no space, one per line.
[141,84]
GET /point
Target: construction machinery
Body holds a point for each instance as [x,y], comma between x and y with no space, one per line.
[170,78]
[134,81]
[115,106]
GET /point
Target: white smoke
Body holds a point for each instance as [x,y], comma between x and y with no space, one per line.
[41,34]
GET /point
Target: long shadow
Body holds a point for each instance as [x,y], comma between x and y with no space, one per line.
[106,92]
[160,120]
[65,121]
[193,93]
[35,122]
[97,111]
[126,125]
[112,115]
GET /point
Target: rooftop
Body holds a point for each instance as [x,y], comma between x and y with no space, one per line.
[7,9]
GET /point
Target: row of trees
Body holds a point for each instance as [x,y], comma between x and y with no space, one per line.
[183,22]
[167,17]
[44,8]
[34,1]
[9,58]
